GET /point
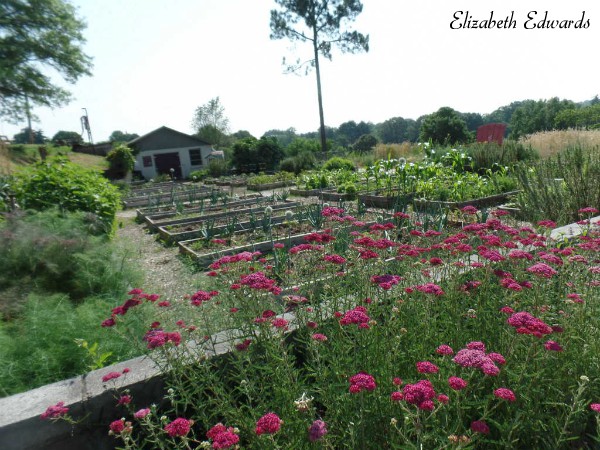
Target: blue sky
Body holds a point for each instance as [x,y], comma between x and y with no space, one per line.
[155,61]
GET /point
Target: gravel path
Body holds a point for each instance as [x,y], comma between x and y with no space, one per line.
[165,273]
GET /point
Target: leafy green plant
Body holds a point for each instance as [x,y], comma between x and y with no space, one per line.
[337,163]
[60,183]
[39,347]
[121,161]
[59,253]
[557,187]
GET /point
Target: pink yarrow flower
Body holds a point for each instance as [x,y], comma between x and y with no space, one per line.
[179,427]
[505,394]
[317,430]
[420,394]
[55,411]
[141,413]
[362,382]
[270,423]
[427,367]
[479,426]
[457,383]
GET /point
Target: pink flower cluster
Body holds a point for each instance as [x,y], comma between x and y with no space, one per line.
[158,338]
[230,259]
[362,381]
[542,270]
[137,298]
[330,211]
[259,281]
[335,259]
[55,411]
[427,367]
[525,323]
[369,242]
[474,356]
[505,394]
[386,282]
[179,427]
[317,430]
[114,375]
[222,436]
[322,238]
[430,288]
[357,316]
[270,423]
[305,248]
[420,394]
[200,297]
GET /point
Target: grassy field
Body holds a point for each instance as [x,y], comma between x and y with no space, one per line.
[549,143]
[16,156]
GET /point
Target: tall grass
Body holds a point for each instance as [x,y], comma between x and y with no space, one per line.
[558,186]
[549,143]
[40,348]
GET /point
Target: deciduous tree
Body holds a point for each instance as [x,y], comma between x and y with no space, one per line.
[37,35]
[322,23]
[211,114]
[445,126]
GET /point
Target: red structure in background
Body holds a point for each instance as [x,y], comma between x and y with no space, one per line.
[491,132]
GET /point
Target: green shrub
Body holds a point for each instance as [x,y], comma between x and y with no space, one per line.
[217,168]
[60,183]
[337,163]
[198,175]
[58,253]
[39,347]
[121,161]
[297,164]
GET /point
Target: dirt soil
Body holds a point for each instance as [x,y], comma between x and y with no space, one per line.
[165,273]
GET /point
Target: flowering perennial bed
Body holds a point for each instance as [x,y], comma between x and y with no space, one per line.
[483,337]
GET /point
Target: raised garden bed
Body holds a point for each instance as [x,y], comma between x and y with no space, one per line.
[268,186]
[483,202]
[309,192]
[193,230]
[168,197]
[377,200]
[203,257]
[194,207]
[153,224]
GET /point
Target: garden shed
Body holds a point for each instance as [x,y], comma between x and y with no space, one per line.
[164,149]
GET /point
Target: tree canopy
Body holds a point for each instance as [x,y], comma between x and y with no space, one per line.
[37,35]
[322,23]
[445,126]
[67,137]
[119,136]
[213,114]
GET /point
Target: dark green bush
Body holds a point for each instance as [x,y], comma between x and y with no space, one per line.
[60,183]
[337,163]
[58,252]
[217,168]
[121,161]
[298,163]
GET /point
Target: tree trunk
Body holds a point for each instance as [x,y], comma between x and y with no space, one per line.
[319,95]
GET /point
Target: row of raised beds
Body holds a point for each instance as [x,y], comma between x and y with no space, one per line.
[429,184]
[153,195]
[293,227]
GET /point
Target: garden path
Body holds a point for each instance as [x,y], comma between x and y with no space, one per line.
[165,274]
